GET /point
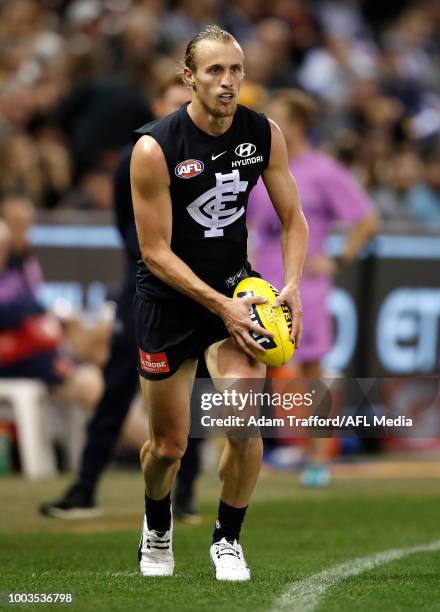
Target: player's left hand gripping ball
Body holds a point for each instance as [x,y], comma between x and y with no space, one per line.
[279,349]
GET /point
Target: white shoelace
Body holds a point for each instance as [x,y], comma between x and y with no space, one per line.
[226,549]
[157,545]
[157,539]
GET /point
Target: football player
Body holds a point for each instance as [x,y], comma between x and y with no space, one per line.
[191,176]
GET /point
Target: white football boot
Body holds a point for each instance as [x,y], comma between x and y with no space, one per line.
[229,561]
[155,552]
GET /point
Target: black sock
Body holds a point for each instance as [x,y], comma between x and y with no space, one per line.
[228,523]
[158,513]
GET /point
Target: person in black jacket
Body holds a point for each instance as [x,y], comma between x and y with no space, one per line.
[120,373]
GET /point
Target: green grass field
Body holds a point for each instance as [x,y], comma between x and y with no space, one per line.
[290,536]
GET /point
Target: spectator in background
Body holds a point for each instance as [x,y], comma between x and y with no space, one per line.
[65,67]
[38,167]
[5,247]
[55,165]
[31,338]
[305,30]
[89,49]
[189,16]
[330,71]
[424,198]
[18,213]
[137,46]
[95,138]
[273,37]
[328,194]
[258,74]
[97,93]
[412,44]
[401,174]
[19,166]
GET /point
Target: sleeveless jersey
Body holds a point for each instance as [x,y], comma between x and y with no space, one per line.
[211,178]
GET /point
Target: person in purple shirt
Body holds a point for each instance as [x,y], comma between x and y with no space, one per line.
[329,194]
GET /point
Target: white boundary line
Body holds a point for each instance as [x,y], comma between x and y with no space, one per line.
[304,595]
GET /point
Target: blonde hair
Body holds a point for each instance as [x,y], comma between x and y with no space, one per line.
[211,32]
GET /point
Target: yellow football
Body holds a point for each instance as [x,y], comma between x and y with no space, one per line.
[280,349]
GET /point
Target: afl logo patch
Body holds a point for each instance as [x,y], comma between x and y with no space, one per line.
[189,168]
[245,149]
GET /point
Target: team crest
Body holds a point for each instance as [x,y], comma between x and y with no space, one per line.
[189,168]
[210,209]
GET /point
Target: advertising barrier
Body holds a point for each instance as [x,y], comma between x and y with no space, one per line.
[386,306]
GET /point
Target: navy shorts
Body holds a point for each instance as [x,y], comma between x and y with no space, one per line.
[169,332]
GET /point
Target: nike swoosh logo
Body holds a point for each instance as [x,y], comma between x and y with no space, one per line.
[214,157]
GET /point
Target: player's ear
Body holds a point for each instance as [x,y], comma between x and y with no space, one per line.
[188,77]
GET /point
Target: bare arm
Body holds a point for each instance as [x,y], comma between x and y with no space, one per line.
[150,185]
[283,193]
[359,235]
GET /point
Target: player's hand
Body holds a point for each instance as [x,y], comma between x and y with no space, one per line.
[321,265]
[235,315]
[292,297]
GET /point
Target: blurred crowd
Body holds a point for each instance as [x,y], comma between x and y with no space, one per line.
[76,77]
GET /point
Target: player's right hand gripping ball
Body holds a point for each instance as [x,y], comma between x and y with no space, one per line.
[280,349]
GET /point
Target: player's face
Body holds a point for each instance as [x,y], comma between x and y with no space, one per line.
[218,76]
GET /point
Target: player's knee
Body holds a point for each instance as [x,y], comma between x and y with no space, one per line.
[258,369]
[251,368]
[144,451]
[169,450]
[245,446]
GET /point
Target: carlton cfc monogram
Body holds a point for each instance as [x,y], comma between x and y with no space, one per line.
[209,208]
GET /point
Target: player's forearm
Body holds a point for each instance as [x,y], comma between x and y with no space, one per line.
[359,235]
[174,272]
[294,242]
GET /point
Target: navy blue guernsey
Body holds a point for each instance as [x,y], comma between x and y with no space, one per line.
[211,178]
